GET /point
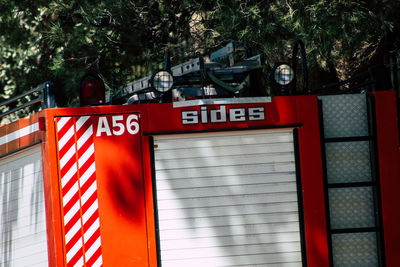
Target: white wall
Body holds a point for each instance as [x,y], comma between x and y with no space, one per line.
[23,239]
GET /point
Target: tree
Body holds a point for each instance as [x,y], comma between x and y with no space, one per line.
[341,37]
[124,40]
[56,41]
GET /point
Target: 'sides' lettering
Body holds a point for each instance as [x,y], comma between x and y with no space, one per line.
[190,117]
[256,114]
[222,114]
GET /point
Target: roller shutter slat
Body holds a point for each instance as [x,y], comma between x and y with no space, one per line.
[227,190]
[232,160]
[228,210]
[221,171]
[220,151]
[241,229]
[227,200]
[229,138]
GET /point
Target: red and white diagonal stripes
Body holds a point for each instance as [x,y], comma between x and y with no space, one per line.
[88,186]
[70,191]
[79,191]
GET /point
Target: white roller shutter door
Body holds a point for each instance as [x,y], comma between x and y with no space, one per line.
[227,199]
[23,238]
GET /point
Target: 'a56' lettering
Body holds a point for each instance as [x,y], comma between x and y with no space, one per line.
[118,125]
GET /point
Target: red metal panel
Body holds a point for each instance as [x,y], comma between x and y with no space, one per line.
[124,178]
[21,133]
[164,118]
[312,182]
[122,206]
[98,166]
[389,172]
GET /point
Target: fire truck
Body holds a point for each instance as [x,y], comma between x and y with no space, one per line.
[209,178]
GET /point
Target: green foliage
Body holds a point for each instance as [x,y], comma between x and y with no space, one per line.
[123,40]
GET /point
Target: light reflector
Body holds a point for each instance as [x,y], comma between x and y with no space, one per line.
[283,74]
[162,81]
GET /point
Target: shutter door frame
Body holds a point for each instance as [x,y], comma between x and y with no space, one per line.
[242,132]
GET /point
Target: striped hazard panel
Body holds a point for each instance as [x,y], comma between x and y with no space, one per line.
[79,191]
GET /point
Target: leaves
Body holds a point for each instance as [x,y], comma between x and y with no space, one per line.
[124,40]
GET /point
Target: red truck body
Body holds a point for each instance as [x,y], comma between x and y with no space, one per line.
[109,172]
